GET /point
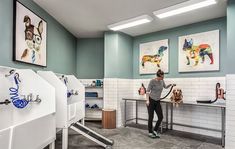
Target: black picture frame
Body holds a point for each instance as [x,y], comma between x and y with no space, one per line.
[29,36]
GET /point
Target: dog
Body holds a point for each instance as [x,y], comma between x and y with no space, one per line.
[177,97]
[33,40]
[197,52]
[157,58]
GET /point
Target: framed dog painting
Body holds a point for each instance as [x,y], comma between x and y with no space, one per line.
[199,52]
[153,56]
[29,36]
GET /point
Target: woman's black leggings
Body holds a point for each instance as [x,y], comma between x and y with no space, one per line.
[154,106]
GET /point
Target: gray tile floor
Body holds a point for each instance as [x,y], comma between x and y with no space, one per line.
[136,138]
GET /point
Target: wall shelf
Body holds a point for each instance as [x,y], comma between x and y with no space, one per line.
[100,98]
[94,87]
[93,114]
[93,119]
[94,109]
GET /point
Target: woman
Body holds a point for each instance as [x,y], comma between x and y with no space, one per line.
[153,96]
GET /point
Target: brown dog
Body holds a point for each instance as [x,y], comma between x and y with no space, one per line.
[176,97]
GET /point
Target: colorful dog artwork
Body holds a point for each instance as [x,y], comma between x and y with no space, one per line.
[33,39]
[199,52]
[157,58]
[154,56]
[30,37]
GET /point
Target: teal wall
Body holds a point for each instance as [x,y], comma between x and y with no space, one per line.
[231,36]
[118,55]
[125,56]
[172,35]
[110,55]
[61,45]
[90,58]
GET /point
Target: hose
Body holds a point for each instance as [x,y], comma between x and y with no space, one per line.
[167,93]
[17,102]
[65,80]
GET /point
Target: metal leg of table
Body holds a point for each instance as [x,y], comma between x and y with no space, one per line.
[136,112]
[171,116]
[166,116]
[125,114]
[223,126]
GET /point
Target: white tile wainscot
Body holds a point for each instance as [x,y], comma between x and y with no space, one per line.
[114,90]
[93,114]
[230,112]
[193,89]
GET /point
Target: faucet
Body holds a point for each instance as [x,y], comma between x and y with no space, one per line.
[12,71]
[38,100]
[6,102]
[30,97]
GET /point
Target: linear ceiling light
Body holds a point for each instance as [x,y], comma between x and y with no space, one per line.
[183,7]
[130,23]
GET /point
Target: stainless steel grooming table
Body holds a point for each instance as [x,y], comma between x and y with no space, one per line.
[171,123]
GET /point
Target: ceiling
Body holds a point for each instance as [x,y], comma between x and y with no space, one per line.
[90,18]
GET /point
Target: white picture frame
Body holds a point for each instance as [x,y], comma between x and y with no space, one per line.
[153,56]
[199,52]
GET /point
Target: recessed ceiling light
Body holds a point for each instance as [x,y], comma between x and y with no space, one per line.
[130,23]
[183,7]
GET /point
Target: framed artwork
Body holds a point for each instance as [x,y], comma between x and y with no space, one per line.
[30,36]
[153,56]
[199,52]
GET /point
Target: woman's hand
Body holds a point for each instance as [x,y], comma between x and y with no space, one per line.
[147,99]
[147,102]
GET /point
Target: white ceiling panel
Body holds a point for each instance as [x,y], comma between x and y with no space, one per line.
[90,18]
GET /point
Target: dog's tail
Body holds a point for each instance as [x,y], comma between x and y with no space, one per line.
[142,63]
[25,53]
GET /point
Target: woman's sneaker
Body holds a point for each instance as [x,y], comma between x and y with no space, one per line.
[152,135]
[156,134]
